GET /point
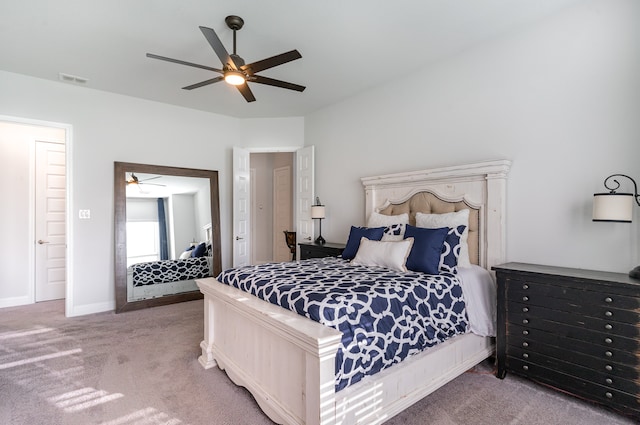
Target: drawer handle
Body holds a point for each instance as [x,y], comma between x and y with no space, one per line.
[609,381]
[525,332]
[608,326]
[525,367]
[608,313]
[525,321]
[608,353]
[609,368]
[608,340]
[608,395]
[525,309]
[525,355]
[525,344]
[525,286]
[608,300]
[525,298]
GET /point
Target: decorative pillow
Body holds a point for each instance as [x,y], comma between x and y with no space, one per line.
[451,250]
[186,254]
[357,233]
[427,248]
[394,225]
[200,250]
[451,220]
[392,255]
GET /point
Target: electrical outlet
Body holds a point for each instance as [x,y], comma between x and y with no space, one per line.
[84,214]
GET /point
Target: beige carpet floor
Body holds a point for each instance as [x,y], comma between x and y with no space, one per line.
[141,368]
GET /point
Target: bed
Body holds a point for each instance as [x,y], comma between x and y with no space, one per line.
[288,362]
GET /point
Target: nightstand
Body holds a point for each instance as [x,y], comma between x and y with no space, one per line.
[573,330]
[312,250]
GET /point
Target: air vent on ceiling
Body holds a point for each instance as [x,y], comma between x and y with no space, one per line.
[68,78]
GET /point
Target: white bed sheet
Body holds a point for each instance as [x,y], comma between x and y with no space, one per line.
[480,293]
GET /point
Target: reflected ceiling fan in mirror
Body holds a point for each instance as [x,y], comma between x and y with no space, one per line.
[133,179]
[234,70]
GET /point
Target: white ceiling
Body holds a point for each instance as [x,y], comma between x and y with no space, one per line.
[347,46]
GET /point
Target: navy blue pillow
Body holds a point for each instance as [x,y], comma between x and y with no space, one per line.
[356,233]
[451,250]
[427,248]
[200,250]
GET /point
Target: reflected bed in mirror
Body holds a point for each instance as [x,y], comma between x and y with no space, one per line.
[167,222]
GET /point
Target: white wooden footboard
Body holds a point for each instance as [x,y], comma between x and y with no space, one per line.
[285,360]
[288,363]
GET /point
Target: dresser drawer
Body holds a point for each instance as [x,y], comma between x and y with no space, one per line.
[521,312]
[618,350]
[623,383]
[616,364]
[538,292]
[578,306]
[623,401]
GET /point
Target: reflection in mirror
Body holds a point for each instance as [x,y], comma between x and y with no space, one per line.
[166,222]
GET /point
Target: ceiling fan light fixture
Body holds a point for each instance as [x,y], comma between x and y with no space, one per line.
[235,78]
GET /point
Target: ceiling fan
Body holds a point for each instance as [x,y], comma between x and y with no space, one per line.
[234,70]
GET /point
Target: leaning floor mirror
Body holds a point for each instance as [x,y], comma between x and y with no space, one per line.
[167,233]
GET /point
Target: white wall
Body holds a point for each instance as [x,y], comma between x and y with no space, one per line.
[561,99]
[109,127]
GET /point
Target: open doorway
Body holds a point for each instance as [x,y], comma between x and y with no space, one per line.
[271,205]
[33,220]
[243,195]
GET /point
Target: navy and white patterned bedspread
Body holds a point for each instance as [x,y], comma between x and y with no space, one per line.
[165,271]
[384,315]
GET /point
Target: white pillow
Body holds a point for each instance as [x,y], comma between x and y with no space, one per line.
[451,220]
[392,255]
[186,255]
[394,225]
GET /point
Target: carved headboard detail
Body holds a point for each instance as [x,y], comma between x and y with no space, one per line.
[479,187]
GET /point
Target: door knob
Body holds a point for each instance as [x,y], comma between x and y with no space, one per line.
[40,241]
[238,238]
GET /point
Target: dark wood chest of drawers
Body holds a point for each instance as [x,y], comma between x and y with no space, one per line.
[312,250]
[574,330]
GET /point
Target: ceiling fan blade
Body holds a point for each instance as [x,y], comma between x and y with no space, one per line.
[218,47]
[271,62]
[246,92]
[178,61]
[276,83]
[204,83]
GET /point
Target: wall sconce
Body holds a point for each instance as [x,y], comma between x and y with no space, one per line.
[616,207]
[318,213]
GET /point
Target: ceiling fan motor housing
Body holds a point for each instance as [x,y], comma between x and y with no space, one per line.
[234,22]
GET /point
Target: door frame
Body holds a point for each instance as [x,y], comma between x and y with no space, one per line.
[286,149]
[68,129]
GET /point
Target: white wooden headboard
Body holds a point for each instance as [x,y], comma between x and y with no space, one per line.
[481,185]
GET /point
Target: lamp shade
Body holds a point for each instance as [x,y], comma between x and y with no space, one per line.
[317,211]
[616,207]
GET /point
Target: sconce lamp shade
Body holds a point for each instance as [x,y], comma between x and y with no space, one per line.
[614,207]
[317,211]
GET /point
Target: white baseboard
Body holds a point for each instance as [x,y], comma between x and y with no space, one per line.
[15,301]
[81,310]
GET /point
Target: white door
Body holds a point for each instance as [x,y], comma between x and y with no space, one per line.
[282,219]
[304,193]
[50,232]
[241,207]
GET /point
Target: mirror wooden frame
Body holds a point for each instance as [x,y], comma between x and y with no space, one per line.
[120,225]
